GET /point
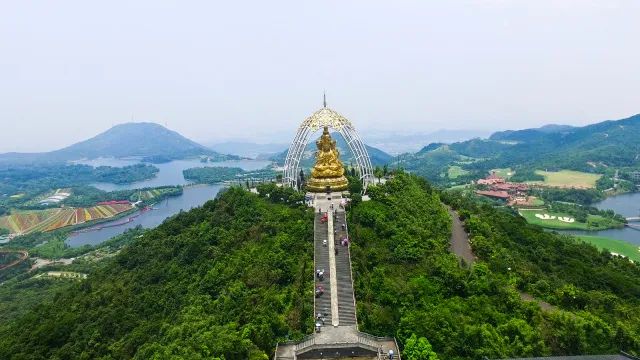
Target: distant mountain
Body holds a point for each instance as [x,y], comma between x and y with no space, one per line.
[248,149]
[531,134]
[396,143]
[610,143]
[555,128]
[589,148]
[378,157]
[147,140]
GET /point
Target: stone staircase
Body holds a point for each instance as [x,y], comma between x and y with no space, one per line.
[322,304]
[346,301]
[339,337]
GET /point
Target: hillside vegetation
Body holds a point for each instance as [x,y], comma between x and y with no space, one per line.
[232,278]
[228,279]
[408,285]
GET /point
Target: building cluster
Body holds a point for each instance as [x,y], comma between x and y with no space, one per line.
[498,188]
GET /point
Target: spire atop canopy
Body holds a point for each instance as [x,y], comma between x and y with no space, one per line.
[324,98]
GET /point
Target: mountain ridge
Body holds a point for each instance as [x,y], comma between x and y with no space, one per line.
[553,147]
[132,139]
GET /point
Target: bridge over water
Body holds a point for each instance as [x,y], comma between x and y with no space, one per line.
[338,336]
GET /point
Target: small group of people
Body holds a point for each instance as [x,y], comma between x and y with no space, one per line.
[319,290]
[320,274]
[320,319]
[344,241]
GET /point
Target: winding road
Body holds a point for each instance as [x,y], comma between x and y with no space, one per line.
[23,256]
[461,246]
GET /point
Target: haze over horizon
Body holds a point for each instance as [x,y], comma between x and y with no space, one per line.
[218,71]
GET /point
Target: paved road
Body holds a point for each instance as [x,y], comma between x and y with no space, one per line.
[459,244]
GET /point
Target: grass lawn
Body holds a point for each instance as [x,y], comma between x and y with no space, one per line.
[594,222]
[503,173]
[537,202]
[458,187]
[455,171]
[530,215]
[617,246]
[568,179]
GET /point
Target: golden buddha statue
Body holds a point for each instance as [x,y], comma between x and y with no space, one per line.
[328,173]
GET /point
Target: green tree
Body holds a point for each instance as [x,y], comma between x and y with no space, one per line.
[377,172]
[418,349]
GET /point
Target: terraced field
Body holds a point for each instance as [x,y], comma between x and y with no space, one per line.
[25,222]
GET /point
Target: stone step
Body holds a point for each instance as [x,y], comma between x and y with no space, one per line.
[321,256]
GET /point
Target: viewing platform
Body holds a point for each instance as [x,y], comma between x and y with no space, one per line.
[337,335]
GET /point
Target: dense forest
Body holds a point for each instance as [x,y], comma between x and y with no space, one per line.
[408,285]
[232,278]
[228,279]
[218,174]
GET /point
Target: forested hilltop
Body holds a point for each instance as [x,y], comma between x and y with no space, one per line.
[232,278]
[409,285]
[228,279]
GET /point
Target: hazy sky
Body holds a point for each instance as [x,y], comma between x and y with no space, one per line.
[233,69]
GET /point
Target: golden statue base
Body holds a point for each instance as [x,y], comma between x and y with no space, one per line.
[333,184]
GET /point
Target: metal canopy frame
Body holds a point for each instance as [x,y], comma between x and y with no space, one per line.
[319,119]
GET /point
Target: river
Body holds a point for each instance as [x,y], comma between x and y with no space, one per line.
[627,205]
[170,174]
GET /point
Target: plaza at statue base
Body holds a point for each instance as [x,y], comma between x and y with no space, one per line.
[327,175]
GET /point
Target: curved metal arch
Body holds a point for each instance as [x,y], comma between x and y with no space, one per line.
[321,118]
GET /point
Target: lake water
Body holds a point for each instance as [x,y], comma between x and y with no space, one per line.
[192,196]
[170,174]
[627,205]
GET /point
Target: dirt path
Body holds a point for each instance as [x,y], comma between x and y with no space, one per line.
[461,246]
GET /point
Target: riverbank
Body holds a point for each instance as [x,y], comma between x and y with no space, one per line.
[192,196]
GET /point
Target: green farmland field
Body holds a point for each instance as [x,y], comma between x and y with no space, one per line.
[568,179]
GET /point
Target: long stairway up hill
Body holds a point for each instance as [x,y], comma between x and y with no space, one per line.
[346,299]
[322,303]
[337,335]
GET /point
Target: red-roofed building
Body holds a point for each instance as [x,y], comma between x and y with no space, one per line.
[503,195]
[491,179]
[510,187]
